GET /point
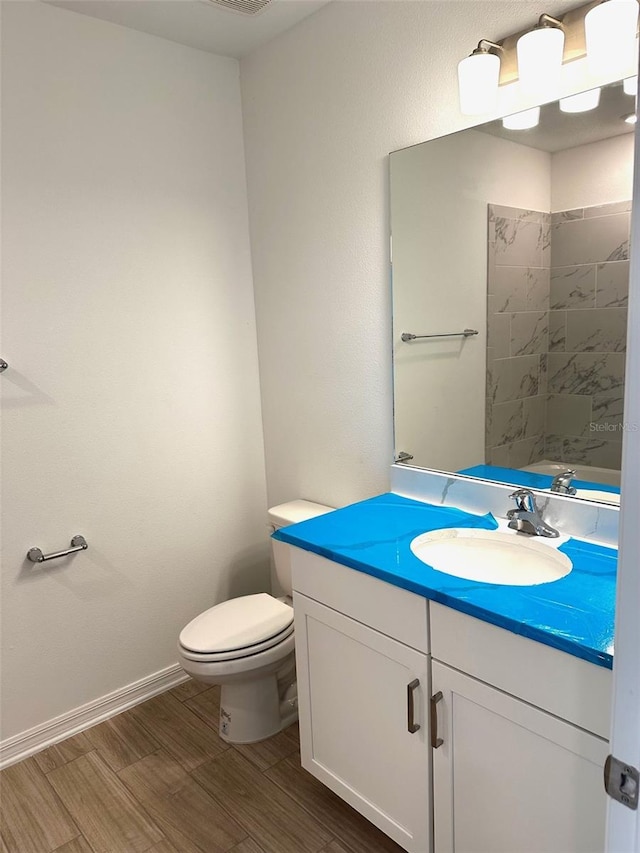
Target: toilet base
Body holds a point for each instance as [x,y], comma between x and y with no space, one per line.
[253,711]
[258,696]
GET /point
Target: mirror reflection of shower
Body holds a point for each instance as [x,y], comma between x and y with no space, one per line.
[557,318]
[542,384]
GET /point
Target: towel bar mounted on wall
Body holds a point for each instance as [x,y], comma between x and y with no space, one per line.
[78,543]
[466,333]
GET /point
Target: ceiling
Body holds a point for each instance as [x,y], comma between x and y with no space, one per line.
[200,23]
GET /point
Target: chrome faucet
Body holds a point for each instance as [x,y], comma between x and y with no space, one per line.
[526,518]
[562,483]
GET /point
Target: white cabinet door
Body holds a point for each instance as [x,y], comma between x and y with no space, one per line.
[358,692]
[510,778]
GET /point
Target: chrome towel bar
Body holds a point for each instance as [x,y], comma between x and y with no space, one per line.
[466,333]
[78,543]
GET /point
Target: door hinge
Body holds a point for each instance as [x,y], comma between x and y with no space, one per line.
[621,781]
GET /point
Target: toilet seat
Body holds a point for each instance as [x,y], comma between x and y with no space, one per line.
[235,654]
[237,628]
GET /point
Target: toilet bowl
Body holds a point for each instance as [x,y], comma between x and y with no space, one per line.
[247,646]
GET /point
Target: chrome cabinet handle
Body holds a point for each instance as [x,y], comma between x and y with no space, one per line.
[435,740]
[412,726]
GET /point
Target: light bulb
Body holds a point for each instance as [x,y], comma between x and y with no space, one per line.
[630,85]
[523,120]
[581,102]
[540,60]
[478,76]
[610,34]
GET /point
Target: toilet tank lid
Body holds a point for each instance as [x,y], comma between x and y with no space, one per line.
[294,511]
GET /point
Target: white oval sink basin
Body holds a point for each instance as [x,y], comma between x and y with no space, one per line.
[598,495]
[491,556]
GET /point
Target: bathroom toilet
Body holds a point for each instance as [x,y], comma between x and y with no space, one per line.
[246,645]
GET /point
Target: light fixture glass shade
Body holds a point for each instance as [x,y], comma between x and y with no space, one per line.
[632,118]
[478,76]
[540,60]
[610,34]
[630,85]
[581,102]
[523,120]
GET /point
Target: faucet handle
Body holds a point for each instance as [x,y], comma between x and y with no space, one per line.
[562,482]
[525,500]
[526,518]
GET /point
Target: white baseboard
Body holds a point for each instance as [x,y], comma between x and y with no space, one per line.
[33,740]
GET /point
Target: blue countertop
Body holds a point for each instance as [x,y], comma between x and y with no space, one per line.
[530,479]
[574,614]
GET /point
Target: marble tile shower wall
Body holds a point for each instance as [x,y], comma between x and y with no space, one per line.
[556,335]
[519,259]
[587,334]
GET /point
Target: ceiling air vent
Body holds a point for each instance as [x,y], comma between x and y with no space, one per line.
[247,7]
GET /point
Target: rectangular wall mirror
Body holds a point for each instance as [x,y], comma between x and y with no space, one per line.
[510,270]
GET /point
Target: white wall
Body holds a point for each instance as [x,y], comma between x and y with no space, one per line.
[131,405]
[597,173]
[440,192]
[131,410]
[323,106]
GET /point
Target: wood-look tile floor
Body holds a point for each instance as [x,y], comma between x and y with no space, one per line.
[158,778]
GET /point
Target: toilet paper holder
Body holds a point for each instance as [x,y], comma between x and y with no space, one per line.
[78,543]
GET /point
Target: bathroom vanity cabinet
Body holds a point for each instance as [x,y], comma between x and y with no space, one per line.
[524,732]
[447,732]
[363,687]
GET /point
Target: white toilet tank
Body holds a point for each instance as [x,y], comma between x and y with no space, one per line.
[281,516]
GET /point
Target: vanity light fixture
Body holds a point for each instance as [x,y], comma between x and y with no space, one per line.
[632,118]
[478,77]
[580,103]
[522,121]
[630,85]
[603,31]
[610,34]
[540,57]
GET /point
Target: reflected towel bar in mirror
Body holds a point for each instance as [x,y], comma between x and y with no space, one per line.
[78,543]
[466,333]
